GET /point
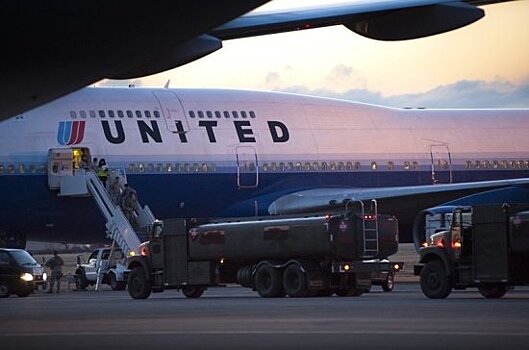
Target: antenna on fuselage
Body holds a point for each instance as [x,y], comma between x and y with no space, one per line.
[167,84]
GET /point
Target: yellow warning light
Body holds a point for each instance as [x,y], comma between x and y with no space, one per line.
[132,253]
[424,244]
[346,267]
[457,245]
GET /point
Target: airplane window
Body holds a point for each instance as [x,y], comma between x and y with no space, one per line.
[131,167]
[496,164]
[186,167]
[159,167]
[341,166]
[478,164]
[138,114]
[1,168]
[130,114]
[235,114]
[73,115]
[332,166]
[315,166]
[520,164]
[358,166]
[390,165]
[191,114]
[10,169]
[120,114]
[200,114]
[169,167]
[407,165]
[299,166]
[111,114]
[281,166]
[504,164]
[204,167]
[196,167]
[32,169]
[21,168]
[373,165]
[156,114]
[290,166]
[147,114]
[264,167]
[415,166]
[209,114]
[102,114]
[243,114]
[217,114]
[150,168]
[307,166]
[468,164]
[213,167]
[92,114]
[526,163]
[273,166]
[252,114]
[323,166]
[226,114]
[82,114]
[43,168]
[177,167]
[141,168]
[349,166]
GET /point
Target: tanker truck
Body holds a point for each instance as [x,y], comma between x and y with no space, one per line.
[298,256]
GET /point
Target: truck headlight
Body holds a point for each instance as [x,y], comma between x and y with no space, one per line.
[26,277]
[44,276]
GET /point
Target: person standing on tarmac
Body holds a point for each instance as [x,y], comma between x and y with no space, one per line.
[55,264]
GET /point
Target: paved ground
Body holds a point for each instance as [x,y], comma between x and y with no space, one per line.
[236,318]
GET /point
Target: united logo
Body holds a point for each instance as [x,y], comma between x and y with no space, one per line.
[71,132]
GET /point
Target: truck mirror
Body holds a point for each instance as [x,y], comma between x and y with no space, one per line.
[78,260]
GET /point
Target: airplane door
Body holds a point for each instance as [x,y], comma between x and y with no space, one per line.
[172,111]
[441,164]
[247,167]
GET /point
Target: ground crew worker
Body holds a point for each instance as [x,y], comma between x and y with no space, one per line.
[128,202]
[55,264]
[102,174]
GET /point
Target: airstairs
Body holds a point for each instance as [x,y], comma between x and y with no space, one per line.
[119,229]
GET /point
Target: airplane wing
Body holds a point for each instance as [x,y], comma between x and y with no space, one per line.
[382,20]
[404,202]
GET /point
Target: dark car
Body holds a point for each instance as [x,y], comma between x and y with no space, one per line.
[19,273]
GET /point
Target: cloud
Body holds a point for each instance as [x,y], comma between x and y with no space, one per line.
[461,94]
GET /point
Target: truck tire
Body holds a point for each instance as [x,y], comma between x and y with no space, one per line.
[80,281]
[295,281]
[389,282]
[268,282]
[193,292]
[435,282]
[493,290]
[139,286]
[4,290]
[114,283]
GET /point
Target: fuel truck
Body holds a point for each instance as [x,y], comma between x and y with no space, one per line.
[298,256]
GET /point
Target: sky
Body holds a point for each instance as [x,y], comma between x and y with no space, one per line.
[485,64]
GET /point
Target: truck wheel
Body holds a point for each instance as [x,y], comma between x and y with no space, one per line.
[80,281]
[114,283]
[193,292]
[295,281]
[139,287]
[268,282]
[493,290]
[4,290]
[389,283]
[435,283]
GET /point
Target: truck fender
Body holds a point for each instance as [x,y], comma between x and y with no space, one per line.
[137,261]
[434,253]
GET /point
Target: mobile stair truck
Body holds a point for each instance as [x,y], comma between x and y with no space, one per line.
[298,256]
[486,246]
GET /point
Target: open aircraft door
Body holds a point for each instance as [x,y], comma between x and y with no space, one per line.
[441,164]
[172,111]
[247,167]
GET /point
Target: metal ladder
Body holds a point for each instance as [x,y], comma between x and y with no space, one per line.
[369,228]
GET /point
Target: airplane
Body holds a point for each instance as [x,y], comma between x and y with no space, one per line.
[54,48]
[224,152]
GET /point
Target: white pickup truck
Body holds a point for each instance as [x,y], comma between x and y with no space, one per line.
[99,261]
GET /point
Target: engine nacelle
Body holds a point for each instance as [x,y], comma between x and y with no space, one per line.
[186,52]
[431,221]
[417,22]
